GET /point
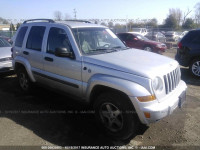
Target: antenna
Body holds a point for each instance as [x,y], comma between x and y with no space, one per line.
[75,13]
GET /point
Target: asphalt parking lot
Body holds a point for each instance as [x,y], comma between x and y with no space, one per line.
[47,118]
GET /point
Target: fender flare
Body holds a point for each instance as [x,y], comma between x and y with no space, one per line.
[128,87]
[26,65]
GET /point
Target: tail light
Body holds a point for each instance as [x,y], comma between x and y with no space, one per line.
[179,45]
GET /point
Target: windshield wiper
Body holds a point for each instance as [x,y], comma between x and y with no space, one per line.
[120,47]
[108,50]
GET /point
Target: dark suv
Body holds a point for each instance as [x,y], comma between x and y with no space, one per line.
[188,52]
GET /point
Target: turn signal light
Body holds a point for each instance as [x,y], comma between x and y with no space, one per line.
[147,114]
[146,98]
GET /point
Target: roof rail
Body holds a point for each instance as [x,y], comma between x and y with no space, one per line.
[85,21]
[32,20]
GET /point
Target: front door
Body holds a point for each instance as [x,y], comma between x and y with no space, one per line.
[61,72]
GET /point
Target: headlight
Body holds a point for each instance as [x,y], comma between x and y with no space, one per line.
[157,84]
[159,45]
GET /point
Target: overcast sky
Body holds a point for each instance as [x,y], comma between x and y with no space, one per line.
[92,9]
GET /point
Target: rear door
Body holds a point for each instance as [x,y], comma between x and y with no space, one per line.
[33,47]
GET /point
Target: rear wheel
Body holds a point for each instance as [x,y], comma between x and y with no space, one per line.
[116,115]
[24,81]
[195,67]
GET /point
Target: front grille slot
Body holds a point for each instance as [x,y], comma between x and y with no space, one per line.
[172,80]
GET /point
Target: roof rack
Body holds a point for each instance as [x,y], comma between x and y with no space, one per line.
[85,21]
[32,20]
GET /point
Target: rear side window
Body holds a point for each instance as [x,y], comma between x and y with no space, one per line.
[122,36]
[35,38]
[20,36]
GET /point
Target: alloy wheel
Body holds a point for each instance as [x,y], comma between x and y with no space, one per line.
[111,117]
[196,68]
[147,49]
[23,81]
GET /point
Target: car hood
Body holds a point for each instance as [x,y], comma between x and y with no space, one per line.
[5,52]
[134,61]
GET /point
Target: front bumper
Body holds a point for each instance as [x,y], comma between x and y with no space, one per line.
[162,108]
[5,66]
[160,50]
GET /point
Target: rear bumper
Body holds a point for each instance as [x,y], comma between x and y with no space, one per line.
[159,110]
[183,60]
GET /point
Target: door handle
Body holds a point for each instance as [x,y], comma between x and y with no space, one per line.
[48,59]
[25,53]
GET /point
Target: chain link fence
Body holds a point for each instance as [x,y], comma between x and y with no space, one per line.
[8,34]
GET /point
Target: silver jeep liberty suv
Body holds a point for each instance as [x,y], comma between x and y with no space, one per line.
[125,86]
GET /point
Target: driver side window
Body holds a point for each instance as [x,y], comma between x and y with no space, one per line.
[57,39]
[129,38]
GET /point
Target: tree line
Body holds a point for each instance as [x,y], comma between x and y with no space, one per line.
[176,20]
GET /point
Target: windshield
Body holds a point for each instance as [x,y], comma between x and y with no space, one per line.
[97,40]
[142,38]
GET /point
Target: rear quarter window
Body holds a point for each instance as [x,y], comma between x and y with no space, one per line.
[20,37]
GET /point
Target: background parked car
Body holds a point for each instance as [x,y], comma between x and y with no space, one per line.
[140,42]
[171,36]
[182,35]
[156,36]
[5,56]
[6,38]
[188,52]
[141,31]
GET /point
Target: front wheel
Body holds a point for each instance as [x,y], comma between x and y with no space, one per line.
[195,67]
[116,115]
[148,48]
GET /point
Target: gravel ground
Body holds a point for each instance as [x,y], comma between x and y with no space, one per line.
[44,118]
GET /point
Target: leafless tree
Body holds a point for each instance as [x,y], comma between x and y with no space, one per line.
[197,13]
[185,14]
[58,15]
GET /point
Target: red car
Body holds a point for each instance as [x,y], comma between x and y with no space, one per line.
[140,42]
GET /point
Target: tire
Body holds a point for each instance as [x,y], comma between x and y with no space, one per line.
[195,68]
[116,115]
[24,80]
[148,48]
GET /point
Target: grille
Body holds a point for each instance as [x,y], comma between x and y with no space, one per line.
[171,80]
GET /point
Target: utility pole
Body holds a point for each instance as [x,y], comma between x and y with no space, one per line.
[75,13]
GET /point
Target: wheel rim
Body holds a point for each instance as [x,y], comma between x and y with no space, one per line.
[196,68]
[147,49]
[23,81]
[111,117]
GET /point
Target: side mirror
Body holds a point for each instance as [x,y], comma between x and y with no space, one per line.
[64,52]
[135,39]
